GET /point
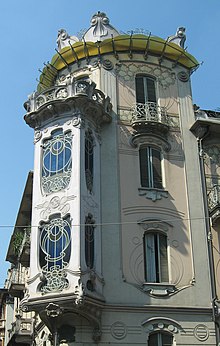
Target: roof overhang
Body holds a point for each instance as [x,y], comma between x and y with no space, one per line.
[123,43]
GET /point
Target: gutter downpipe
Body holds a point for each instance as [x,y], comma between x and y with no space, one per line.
[209,235]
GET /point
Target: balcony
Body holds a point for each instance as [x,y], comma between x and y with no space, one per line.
[21,331]
[75,95]
[214,202]
[149,117]
[214,197]
[16,281]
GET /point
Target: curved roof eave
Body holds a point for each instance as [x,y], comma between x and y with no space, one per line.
[119,44]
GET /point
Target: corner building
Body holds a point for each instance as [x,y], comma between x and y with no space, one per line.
[118,250]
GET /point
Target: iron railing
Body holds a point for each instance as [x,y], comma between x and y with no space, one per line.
[214,197]
[15,276]
[149,112]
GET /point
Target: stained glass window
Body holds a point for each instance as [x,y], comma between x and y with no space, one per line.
[57,161]
[89,241]
[55,246]
[89,157]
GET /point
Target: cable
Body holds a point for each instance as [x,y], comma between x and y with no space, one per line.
[116,223]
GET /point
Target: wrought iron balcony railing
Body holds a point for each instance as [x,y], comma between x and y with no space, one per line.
[150,114]
[15,282]
[214,197]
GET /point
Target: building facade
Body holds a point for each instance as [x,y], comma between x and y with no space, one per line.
[118,247]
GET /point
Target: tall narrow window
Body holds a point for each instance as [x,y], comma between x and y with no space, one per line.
[146,101]
[156,264]
[150,167]
[54,252]
[145,89]
[89,158]
[89,241]
[160,339]
[57,162]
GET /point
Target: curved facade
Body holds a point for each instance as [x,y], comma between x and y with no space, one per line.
[118,241]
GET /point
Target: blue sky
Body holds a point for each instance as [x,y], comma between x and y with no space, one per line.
[29,31]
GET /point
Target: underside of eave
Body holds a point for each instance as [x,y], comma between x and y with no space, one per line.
[147,45]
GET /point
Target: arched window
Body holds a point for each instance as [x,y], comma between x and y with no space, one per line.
[160,339]
[54,252]
[155,254]
[150,167]
[89,241]
[57,161]
[89,158]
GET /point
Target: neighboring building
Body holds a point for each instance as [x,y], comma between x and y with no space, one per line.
[121,249]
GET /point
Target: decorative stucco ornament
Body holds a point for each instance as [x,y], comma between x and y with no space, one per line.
[100,28]
[179,38]
[64,40]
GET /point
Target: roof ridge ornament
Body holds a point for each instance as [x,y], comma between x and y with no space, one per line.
[64,39]
[179,38]
[100,28]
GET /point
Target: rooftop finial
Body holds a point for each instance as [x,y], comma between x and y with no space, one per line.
[179,38]
[64,40]
[100,28]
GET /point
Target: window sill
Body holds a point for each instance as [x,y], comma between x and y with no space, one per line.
[153,193]
[158,290]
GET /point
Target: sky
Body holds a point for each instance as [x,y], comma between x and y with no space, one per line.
[29,31]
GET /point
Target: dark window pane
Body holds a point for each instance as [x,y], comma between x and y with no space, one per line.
[160,339]
[140,92]
[89,158]
[153,340]
[145,89]
[89,242]
[151,93]
[144,167]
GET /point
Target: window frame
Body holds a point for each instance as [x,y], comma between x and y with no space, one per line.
[55,180]
[148,170]
[145,92]
[89,243]
[160,341]
[155,274]
[89,156]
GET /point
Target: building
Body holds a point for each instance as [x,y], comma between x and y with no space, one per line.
[117,247]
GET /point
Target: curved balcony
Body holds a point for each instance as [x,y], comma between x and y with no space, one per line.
[149,116]
[214,202]
[214,197]
[76,94]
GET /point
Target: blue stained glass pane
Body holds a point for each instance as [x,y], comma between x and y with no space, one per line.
[57,162]
[61,161]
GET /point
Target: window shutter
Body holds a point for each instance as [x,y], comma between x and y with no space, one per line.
[144,167]
[140,92]
[157,173]
[151,92]
[164,277]
[150,265]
